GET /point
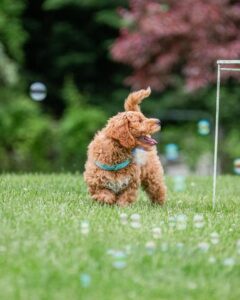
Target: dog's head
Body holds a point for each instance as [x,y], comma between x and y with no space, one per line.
[132,129]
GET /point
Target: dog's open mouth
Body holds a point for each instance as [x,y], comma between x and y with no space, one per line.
[147,139]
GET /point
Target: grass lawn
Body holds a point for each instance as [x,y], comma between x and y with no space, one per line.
[44,254]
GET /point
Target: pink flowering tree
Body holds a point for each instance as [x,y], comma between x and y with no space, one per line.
[162,40]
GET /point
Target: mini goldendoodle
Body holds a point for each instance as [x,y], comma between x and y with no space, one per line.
[123,156]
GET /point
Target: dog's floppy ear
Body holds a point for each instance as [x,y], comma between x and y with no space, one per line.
[118,129]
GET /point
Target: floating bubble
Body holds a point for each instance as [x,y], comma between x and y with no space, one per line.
[229,262]
[212,260]
[198,221]
[135,221]
[203,127]
[214,238]
[111,252]
[171,152]
[119,264]
[38,91]
[179,245]
[181,222]
[84,226]
[192,285]
[135,217]
[150,247]
[157,232]
[171,221]
[238,246]
[123,218]
[85,280]
[179,183]
[236,166]
[135,225]
[119,255]
[119,260]
[203,246]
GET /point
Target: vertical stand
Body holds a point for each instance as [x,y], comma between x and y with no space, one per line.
[219,69]
[216,137]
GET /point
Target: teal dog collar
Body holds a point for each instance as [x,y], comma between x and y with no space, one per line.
[116,167]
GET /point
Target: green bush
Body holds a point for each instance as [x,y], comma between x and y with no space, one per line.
[26,135]
[30,140]
[191,145]
[230,149]
[77,127]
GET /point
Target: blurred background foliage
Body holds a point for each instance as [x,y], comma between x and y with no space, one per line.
[67,45]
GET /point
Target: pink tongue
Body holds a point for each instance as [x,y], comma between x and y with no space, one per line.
[149,140]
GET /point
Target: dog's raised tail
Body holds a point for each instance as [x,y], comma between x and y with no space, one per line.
[134,99]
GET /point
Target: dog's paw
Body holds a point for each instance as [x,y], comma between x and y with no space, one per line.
[105,198]
[122,203]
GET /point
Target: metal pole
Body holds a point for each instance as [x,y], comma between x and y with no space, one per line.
[216,136]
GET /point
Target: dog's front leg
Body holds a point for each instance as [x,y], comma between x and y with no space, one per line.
[153,180]
[129,195]
[103,195]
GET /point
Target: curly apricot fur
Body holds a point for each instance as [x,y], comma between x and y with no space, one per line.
[113,145]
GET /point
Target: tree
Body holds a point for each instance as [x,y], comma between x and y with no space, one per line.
[72,37]
[12,37]
[182,38]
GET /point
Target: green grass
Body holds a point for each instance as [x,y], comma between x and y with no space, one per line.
[43,253]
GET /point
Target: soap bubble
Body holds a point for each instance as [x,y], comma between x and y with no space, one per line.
[203,246]
[119,260]
[171,221]
[111,252]
[214,238]
[171,152]
[238,246]
[203,127]
[198,221]
[179,245]
[123,218]
[229,262]
[157,232]
[179,183]
[181,222]
[136,225]
[236,165]
[85,280]
[84,226]
[119,264]
[150,247]
[135,221]
[212,260]
[135,217]
[38,91]
[191,285]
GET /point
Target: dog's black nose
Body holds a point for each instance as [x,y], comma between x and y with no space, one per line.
[158,122]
